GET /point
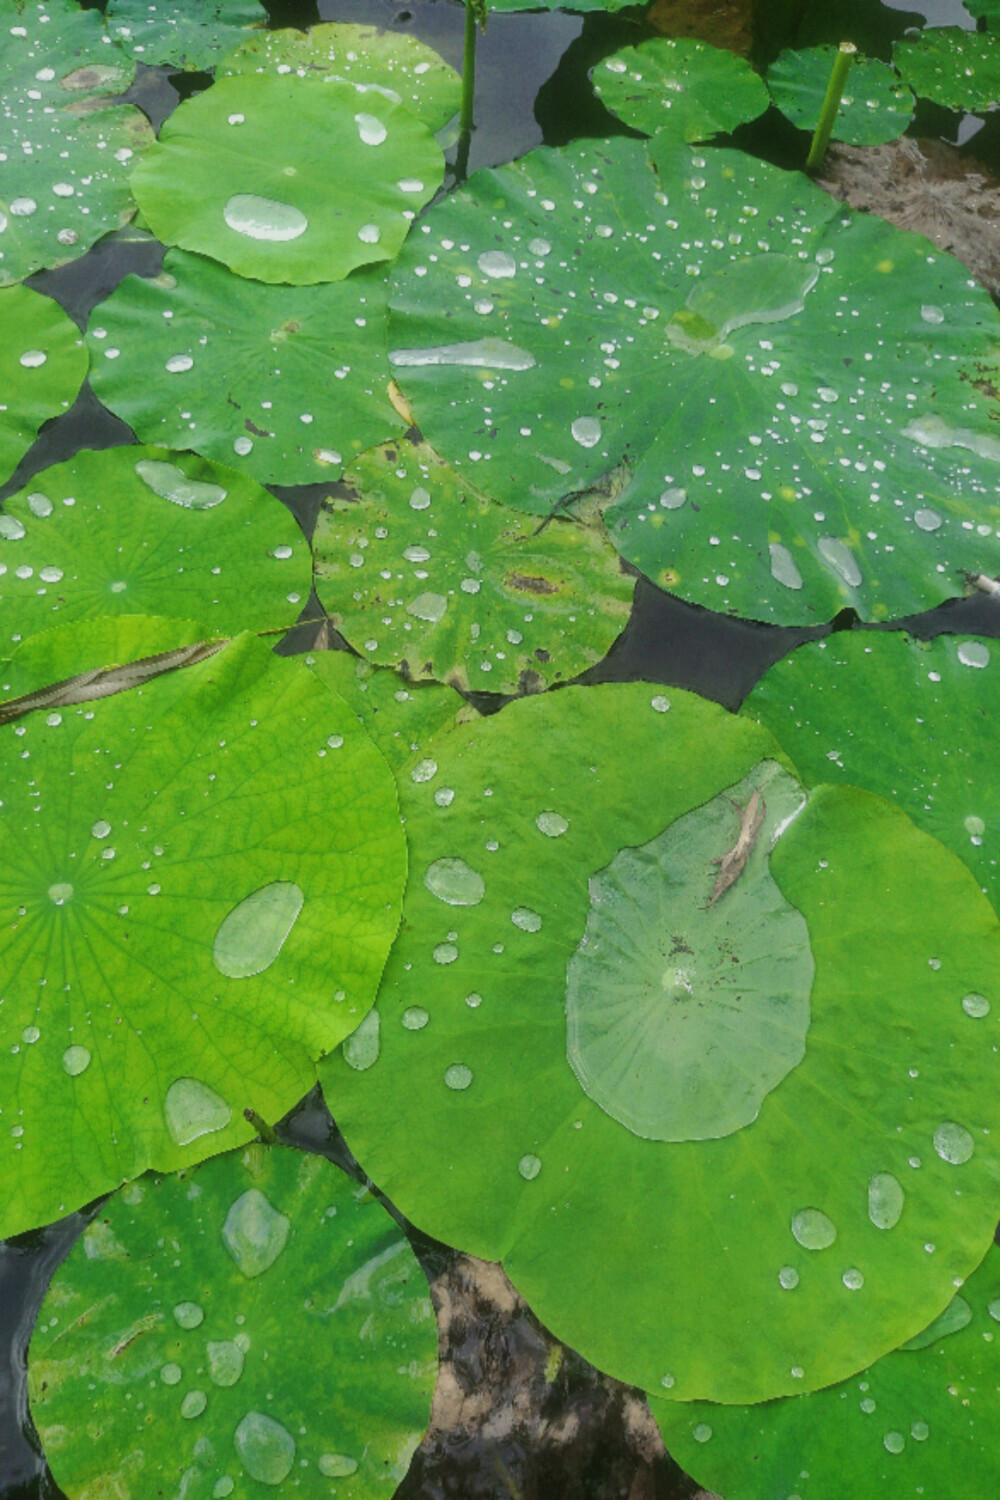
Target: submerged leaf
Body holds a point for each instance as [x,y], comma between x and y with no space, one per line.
[875,106]
[187,34]
[260,1314]
[688,87]
[140,1016]
[42,366]
[477,1126]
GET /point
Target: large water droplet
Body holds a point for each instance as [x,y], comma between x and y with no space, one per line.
[170,483]
[953,1143]
[813,1230]
[11,529]
[265,1448]
[188,1314]
[171,1374]
[254,1232]
[894,1442]
[33,359]
[225,1361]
[76,1060]
[927,519]
[429,607]
[841,559]
[529,1167]
[194,1404]
[497,263]
[370,129]
[976,1006]
[586,431]
[60,892]
[445,953]
[361,1048]
[974,654]
[336,1465]
[885,1200]
[458,1076]
[101,829]
[424,770]
[253,934]
[223,1486]
[526,919]
[455,882]
[178,363]
[480,354]
[783,568]
[192,1109]
[552,824]
[934,432]
[920,1432]
[415,1018]
[264,218]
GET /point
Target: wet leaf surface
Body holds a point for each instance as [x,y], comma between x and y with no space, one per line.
[875,107]
[188,34]
[42,366]
[686,86]
[953,67]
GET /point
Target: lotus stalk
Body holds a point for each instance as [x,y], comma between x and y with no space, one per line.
[831,104]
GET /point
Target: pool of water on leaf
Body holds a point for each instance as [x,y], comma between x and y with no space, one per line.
[585,1435]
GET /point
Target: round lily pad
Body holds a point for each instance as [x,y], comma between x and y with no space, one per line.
[950,66]
[821,442]
[42,366]
[199,883]
[254,1326]
[190,35]
[228,179]
[109,641]
[907,1426]
[145,531]
[809,1221]
[284,383]
[389,65]
[689,87]
[401,717]
[876,105]
[912,720]
[420,571]
[68,153]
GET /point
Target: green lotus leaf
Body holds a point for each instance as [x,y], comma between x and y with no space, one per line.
[255,1326]
[950,66]
[229,180]
[907,1426]
[400,716]
[283,383]
[911,720]
[774,371]
[686,86]
[189,35]
[71,650]
[142,530]
[64,172]
[575,5]
[396,67]
[199,883]
[875,107]
[989,10]
[420,571]
[593,992]
[42,366]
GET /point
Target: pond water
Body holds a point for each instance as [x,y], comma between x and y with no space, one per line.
[532,87]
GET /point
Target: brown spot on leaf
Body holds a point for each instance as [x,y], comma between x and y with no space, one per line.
[530,583]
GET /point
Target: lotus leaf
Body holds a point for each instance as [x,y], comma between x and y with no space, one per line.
[64,170]
[987,10]
[400,68]
[73,650]
[912,720]
[107,533]
[228,179]
[875,107]
[191,917]
[419,570]
[575,5]
[689,87]
[959,69]
[789,384]
[400,716]
[254,1326]
[42,366]
[548,846]
[277,381]
[189,35]
[907,1426]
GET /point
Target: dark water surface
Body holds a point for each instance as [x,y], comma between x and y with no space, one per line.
[532,87]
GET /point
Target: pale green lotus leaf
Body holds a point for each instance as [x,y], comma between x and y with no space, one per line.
[394,66]
[876,106]
[228,179]
[267,1319]
[773,371]
[688,87]
[146,531]
[42,366]
[950,66]
[286,384]
[915,1423]
[775,1257]
[188,34]
[106,641]
[199,884]
[912,720]
[68,153]
[420,571]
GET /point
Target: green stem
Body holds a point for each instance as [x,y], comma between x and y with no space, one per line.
[261,1126]
[466,122]
[831,104]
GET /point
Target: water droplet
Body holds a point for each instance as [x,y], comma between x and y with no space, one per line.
[673,499]
[454,882]
[30,1034]
[424,770]
[369,234]
[841,559]
[586,431]
[497,263]
[420,499]
[101,829]
[171,1374]
[885,1200]
[529,1167]
[788,1277]
[11,529]
[415,1018]
[474,1000]
[445,953]
[867,1404]
[853,1279]
[370,129]
[702,1432]
[975,826]
[171,483]
[192,1109]
[927,520]
[931,314]
[526,919]
[994,1309]
[479,354]
[974,654]
[920,1432]
[50,575]
[444,796]
[225,1361]
[361,1049]
[552,824]
[894,1442]
[188,1314]
[953,1143]
[429,607]
[60,892]
[254,1232]
[264,218]
[458,1076]
[76,1060]
[783,569]
[33,359]
[410,185]
[976,1006]
[659,703]
[194,1404]
[668,1382]
[223,1487]
[253,934]
[178,363]
[813,1230]
[243,446]
[336,1465]
[265,1448]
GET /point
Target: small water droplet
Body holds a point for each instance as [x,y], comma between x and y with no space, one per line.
[424,770]
[586,431]
[33,359]
[192,1110]
[660,704]
[265,1448]
[194,1404]
[526,919]
[529,1167]
[894,1442]
[369,234]
[370,129]
[250,938]
[813,1230]
[225,1361]
[254,1232]
[931,314]
[454,882]
[11,529]
[171,483]
[30,1034]
[336,1465]
[243,446]
[361,1049]
[498,264]
[474,1000]
[171,1374]
[429,607]
[223,1487]
[927,520]
[673,499]
[178,363]
[668,1382]
[76,1060]
[410,185]
[953,1143]
[702,1432]
[788,1277]
[458,1076]
[264,218]
[920,1432]
[444,796]
[853,1279]
[101,829]
[445,953]
[552,824]
[188,1314]
[885,1200]
[415,1018]
[976,1006]
[60,892]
